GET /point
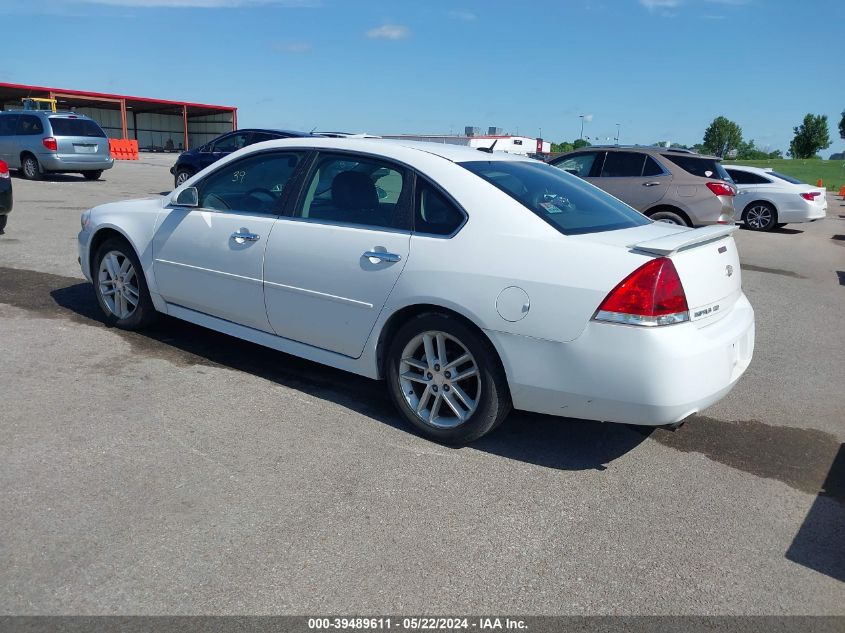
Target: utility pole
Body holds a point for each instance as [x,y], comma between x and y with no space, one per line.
[618,127]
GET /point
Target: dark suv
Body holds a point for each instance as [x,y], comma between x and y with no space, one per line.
[676,186]
[195,160]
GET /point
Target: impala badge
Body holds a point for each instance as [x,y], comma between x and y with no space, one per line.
[729,270]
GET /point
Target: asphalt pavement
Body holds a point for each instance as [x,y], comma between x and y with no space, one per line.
[181,471]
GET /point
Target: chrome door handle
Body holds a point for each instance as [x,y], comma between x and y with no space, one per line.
[385,257]
[650,184]
[245,237]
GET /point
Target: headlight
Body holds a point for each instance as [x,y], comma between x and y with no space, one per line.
[85,219]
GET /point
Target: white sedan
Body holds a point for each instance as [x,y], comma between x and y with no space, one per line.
[470,281]
[767,199]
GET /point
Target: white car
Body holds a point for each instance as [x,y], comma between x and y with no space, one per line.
[470,281]
[768,199]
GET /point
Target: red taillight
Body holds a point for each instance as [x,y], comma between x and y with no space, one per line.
[721,189]
[811,195]
[4,169]
[50,143]
[651,295]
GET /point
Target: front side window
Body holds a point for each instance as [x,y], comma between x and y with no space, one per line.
[29,125]
[231,143]
[570,205]
[435,214]
[76,127]
[253,184]
[623,165]
[354,190]
[579,164]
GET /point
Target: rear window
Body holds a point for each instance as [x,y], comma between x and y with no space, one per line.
[566,202]
[777,174]
[76,127]
[699,166]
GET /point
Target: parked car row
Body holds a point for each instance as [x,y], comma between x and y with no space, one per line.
[688,189]
[470,281]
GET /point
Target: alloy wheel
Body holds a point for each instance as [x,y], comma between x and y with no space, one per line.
[439,379]
[118,284]
[181,178]
[759,217]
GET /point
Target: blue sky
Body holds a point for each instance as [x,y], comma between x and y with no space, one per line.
[663,69]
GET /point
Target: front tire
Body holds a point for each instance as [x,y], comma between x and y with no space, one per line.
[92,175]
[182,176]
[760,216]
[120,286]
[30,168]
[446,379]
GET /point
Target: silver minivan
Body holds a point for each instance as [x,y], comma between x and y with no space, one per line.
[38,142]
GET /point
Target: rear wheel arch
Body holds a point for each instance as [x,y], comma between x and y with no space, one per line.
[406,314]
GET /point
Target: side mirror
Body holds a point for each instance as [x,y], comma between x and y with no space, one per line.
[188,198]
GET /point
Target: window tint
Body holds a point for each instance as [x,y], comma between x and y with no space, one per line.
[260,137]
[353,190]
[435,213]
[698,166]
[794,181]
[230,143]
[8,123]
[29,125]
[568,204]
[254,184]
[76,127]
[652,167]
[578,164]
[747,178]
[623,165]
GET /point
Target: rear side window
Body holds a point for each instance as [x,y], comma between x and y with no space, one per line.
[569,204]
[29,125]
[76,127]
[652,167]
[623,165]
[699,166]
[8,122]
[435,214]
[747,177]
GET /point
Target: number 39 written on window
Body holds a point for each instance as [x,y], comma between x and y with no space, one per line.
[238,176]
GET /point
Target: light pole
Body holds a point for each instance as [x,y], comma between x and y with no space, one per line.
[587,118]
[618,127]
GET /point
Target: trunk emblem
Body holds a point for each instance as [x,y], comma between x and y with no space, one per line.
[729,270]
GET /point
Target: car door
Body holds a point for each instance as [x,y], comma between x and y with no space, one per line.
[330,266]
[8,152]
[634,177]
[211,258]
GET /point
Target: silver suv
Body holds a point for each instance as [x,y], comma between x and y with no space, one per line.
[60,142]
[674,186]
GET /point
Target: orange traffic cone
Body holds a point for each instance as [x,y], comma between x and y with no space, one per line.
[842,192]
[820,183]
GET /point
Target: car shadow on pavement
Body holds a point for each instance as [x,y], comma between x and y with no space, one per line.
[552,442]
[820,543]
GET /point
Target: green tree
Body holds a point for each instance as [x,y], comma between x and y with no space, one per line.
[811,137]
[722,136]
[579,143]
[842,125]
[562,147]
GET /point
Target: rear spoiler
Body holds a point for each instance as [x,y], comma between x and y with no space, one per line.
[678,241]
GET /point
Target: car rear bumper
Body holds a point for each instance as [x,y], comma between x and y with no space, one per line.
[804,211]
[711,209]
[60,162]
[630,374]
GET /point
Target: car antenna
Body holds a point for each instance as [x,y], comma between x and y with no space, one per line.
[488,150]
[312,129]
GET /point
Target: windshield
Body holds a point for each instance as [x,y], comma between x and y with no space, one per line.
[776,174]
[75,127]
[565,201]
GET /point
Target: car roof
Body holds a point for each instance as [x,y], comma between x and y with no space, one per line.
[395,148]
[270,131]
[649,149]
[753,170]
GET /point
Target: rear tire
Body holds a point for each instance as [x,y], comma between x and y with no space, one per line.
[760,216]
[92,175]
[120,286]
[670,217]
[30,168]
[431,394]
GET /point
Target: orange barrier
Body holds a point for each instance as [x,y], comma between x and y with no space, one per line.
[842,192]
[122,149]
[820,183]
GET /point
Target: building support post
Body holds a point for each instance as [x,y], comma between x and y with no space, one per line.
[123,126]
[187,145]
[234,119]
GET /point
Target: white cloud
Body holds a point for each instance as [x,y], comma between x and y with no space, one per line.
[206,4]
[466,16]
[390,32]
